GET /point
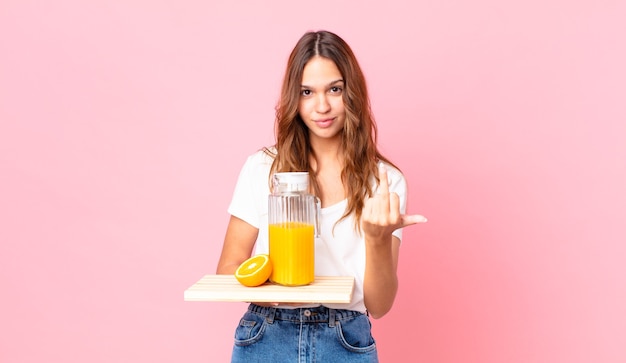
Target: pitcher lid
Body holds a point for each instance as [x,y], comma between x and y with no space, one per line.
[291,182]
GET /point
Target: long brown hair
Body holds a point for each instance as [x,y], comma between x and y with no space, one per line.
[359,136]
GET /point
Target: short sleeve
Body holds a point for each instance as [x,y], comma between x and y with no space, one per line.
[249,200]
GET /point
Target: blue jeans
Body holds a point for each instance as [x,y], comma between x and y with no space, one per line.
[303,335]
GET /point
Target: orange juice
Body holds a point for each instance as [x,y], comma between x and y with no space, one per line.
[292,252]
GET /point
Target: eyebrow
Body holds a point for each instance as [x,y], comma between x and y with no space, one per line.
[329,85]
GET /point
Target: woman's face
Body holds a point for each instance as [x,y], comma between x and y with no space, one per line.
[321,101]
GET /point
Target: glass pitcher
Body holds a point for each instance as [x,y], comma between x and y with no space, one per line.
[293,216]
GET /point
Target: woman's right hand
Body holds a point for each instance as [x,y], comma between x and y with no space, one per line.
[238,246]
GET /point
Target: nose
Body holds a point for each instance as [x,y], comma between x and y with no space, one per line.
[322,105]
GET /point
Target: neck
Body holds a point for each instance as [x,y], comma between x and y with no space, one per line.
[327,152]
[327,147]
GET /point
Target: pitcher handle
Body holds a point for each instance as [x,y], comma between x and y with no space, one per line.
[318,208]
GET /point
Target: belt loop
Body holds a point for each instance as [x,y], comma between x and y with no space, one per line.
[331,317]
[270,315]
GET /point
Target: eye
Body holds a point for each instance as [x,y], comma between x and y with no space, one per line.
[305,92]
[335,89]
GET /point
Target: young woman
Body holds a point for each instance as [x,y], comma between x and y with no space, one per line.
[324,126]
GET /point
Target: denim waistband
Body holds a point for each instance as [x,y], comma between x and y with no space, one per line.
[320,314]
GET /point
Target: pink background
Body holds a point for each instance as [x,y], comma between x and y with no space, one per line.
[123,125]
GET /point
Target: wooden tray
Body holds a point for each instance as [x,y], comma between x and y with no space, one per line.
[325,289]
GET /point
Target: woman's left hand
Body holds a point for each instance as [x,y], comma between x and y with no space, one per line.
[381,213]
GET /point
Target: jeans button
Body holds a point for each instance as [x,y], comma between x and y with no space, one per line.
[307,312]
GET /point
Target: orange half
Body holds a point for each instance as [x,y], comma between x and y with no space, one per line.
[254,271]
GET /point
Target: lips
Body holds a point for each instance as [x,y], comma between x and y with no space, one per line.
[324,123]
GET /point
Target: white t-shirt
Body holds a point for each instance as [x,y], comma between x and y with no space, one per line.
[341,253]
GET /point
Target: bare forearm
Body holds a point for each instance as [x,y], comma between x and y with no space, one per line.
[227,269]
[238,245]
[380,284]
